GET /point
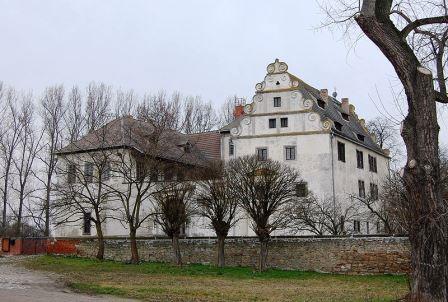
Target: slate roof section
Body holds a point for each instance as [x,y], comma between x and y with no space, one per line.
[333,110]
[127,132]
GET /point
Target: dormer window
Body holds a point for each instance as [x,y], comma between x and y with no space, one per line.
[345,116]
[360,137]
[321,104]
[277,102]
[187,147]
[338,126]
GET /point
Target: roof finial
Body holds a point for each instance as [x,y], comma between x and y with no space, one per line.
[335,93]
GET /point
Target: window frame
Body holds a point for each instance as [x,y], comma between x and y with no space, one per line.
[356,226]
[359,159]
[303,189]
[87,223]
[286,152]
[373,166]
[361,188]
[374,191]
[274,123]
[71,173]
[88,172]
[341,151]
[277,102]
[231,148]
[282,124]
[262,158]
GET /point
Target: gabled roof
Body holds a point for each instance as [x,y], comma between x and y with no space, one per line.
[333,111]
[127,132]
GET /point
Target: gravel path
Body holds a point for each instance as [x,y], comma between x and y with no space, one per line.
[18,284]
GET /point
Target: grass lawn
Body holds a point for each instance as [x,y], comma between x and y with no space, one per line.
[164,282]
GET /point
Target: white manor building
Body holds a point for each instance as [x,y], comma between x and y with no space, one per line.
[288,121]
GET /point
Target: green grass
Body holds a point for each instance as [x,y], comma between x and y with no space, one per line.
[160,281]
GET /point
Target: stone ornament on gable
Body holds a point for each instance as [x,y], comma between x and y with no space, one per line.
[260,86]
[326,125]
[312,116]
[307,104]
[277,67]
[249,108]
[258,98]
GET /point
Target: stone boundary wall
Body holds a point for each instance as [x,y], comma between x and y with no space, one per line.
[348,255]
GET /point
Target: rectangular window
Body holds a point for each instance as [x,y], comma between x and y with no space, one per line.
[71,174]
[372,164]
[373,191]
[360,159]
[284,122]
[88,172]
[231,148]
[367,228]
[290,152]
[277,102]
[262,154]
[356,226]
[341,152]
[105,174]
[302,189]
[362,188]
[87,223]
[140,170]
[272,123]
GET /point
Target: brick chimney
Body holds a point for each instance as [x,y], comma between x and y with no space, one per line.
[324,94]
[238,111]
[345,105]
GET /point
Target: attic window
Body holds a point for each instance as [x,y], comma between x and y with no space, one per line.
[345,116]
[321,104]
[187,148]
[360,137]
[338,126]
[278,83]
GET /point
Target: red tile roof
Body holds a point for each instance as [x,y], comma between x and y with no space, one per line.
[209,143]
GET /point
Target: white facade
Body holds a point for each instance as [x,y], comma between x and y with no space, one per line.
[309,130]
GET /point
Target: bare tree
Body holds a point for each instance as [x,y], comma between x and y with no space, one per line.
[412,35]
[9,142]
[217,203]
[125,103]
[98,106]
[74,121]
[163,112]
[266,190]
[28,147]
[387,137]
[322,217]
[198,116]
[227,110]
[173,208]
[52,112]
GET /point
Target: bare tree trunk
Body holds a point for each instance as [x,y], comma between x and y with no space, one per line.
[134,249]
[263,255]
[221,256]
[422,180]
[176,250]
[5,193]
[427,210]
[47,206]
[99,233]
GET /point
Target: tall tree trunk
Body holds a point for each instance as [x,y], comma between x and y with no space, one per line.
[20,214]
[5,194]
[221,256]
[134,249]
[420,131]
[99,234]
[176,250]
[47,207]
[428,234]
[263,258]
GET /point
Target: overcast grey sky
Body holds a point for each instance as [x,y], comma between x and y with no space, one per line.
[208,48]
